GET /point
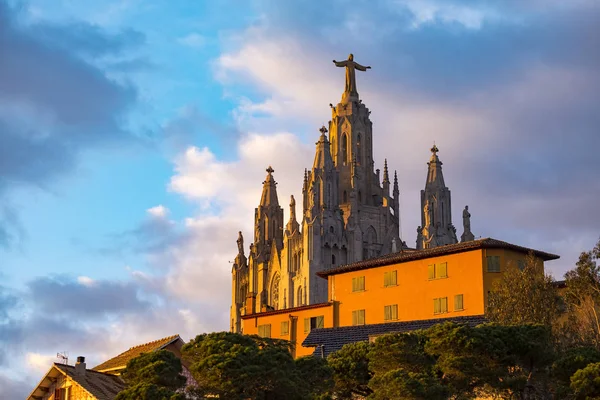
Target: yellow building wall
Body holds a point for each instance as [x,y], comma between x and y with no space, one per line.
[296,333]
[508,259]
[414,292]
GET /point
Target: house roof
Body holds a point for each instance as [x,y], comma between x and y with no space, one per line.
[120,361]
[286,310]
[411,255]
[329,340]
[98,384]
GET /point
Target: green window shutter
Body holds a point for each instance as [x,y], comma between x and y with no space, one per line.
[394,278]
[444,304]
[458,302]
[493,263]
[355,284]
[431,271]
[306,325]
[443,270]
[436,306]
[387,313]
[321,321]
[395,312]
[261,330]
[361,317]
[361,283]
[268,331]
[386,279]
[354,318]
[285,328]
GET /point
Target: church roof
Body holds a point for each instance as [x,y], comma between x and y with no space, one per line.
[329,340]
[411,255]
[98,384]
[121,360]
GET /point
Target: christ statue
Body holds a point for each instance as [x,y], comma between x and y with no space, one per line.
[350,67]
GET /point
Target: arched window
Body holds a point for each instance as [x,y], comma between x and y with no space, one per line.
[331,229]
[344,149]
[300,296]
[358,150]
[275,292]
[333,260]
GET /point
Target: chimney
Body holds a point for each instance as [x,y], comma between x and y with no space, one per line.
[80,366]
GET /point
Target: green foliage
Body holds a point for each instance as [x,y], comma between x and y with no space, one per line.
[148,391]
[521,297]
[161,368]
[582,296]
[568,363]
[153,376]
[233,366]
[585,383]
[315,377]
[351,372]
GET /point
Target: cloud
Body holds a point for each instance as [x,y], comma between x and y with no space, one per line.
[60,296]
[194,40]
[47,115]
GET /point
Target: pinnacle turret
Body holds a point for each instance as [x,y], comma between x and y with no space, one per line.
[269,193]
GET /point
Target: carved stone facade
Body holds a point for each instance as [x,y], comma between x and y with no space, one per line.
[436,208]
[348,215]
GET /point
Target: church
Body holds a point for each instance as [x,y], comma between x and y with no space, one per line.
[349,212]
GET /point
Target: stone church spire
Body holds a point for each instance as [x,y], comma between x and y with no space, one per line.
[268,217]
[436,208]
[269,193]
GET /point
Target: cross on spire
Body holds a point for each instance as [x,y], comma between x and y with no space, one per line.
[434,149]
[270,170]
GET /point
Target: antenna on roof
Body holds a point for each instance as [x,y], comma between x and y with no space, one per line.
[63,358]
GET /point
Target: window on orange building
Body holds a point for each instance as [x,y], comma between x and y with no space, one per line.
[358,284]
[458,302]
[314,323]
[390,313]
[390,278]
[440,305]
[493,263]
[264,330]
[285,328]
[437,271]
[358,317]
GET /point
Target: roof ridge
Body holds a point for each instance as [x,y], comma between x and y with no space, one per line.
[154,341]
[86,370]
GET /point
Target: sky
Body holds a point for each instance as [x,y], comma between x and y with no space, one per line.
[134,138]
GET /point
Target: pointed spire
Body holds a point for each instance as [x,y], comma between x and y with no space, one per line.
[269,193]
[434,173]
[323,159]
[396,189]
[292,225]
[386,176]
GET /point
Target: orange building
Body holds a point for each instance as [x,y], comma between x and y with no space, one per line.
[443,282]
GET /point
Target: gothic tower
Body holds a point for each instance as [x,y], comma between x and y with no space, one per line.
[436,208]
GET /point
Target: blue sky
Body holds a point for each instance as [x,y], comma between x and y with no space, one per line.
[134,136]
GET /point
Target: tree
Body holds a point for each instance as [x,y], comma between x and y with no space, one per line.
[153,376]
[527,296]
[233,366]
[402,369]
[315,377]
[582,296]
[585,383]
[568,363]
[351,374]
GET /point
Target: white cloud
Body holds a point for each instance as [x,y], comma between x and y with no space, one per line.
[194,40]
[86,281]
[40,363]
[159,211]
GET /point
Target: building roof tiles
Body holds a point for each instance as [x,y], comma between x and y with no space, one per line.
[329,340]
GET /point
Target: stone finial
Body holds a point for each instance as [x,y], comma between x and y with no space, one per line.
[386,176]
[435,149]
[270,170]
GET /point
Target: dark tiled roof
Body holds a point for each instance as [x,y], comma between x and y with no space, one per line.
[560,284]
[411,255]
[121,360]
[102,386]
[332,339]
[285,310]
